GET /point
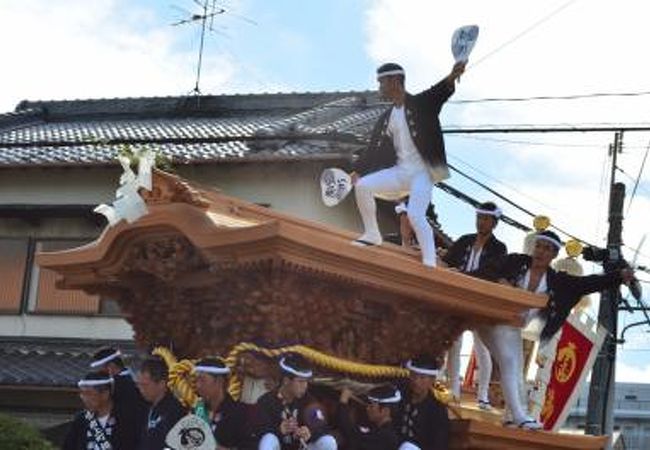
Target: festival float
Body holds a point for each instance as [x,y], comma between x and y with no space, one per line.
[199,273]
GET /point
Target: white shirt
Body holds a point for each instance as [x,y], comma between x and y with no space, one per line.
[474,259]
[533,320]
[103,420]
[408,157]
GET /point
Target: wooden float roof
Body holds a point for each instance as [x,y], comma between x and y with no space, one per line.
[194,242]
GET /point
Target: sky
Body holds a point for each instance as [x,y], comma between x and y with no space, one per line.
[67,49]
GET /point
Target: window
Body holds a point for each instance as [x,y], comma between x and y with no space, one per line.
[13,263]
[45,297]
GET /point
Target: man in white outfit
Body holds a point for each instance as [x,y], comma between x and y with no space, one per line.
[406,155]
[467,254]
[534,273]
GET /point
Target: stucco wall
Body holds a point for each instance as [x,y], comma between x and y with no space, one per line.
[288,187]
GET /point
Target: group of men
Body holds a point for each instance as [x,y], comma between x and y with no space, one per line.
[123,411]
[406,156]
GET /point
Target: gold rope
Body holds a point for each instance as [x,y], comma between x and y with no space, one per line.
[179,372]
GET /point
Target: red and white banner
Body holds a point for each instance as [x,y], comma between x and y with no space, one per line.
[573,358]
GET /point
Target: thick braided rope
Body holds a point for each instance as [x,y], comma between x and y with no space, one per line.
[329,362]
[179,372]
[180,378]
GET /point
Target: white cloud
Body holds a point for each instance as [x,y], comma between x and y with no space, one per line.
[114,48]
[627,373]
[590,46]
[586,47]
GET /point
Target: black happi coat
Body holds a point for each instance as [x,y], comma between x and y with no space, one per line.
[426,424]
[231,425]
[160,419]
[459,252]
[128,401]
[383,437]
[564,290]
[422,118]
[121,436]
[272,411]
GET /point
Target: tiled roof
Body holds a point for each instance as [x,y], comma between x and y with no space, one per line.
[52,362]
[188,129]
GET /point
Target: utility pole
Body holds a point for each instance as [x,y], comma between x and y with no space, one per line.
[600,406]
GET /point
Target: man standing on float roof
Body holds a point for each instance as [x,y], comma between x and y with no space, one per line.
[406,154]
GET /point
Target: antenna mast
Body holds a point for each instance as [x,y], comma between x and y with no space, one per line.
[209,10]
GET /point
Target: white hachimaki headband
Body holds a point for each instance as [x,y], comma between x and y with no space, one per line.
[213,370]
[555,242]
[101,362]
[93,383]
[298,373]
[397,397]
[388,73]
[420,370]
[496,213]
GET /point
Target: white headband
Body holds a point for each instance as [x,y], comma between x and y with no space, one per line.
[555,242]
[394,399]
[420,370]
[103,361]
[298,373]
[212,370]
[391,72]
[496,213]
[92,383]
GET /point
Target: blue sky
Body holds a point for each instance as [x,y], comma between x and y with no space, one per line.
[56,49]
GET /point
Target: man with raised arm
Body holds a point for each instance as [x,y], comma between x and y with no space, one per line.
[406,155]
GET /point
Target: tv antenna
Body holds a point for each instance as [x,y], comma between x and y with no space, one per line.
[208,10]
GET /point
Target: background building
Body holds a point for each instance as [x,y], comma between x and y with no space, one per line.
[631,414]
[58,160]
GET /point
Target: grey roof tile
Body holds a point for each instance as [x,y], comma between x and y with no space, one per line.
[52,362]
[87,132]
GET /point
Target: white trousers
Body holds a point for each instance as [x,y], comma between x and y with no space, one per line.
[506,345]
[271,442]
[408,446]
[396,179]
[484,367]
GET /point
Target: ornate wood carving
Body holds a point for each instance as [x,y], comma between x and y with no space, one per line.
[276,305]
[164,257]
[168,188]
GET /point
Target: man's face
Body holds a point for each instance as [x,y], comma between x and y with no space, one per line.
[94,399]
[375,413]
[420,384]
[543,253]
[150,389]
[485,223]
[389,87]
[208,386]
[111,368]
[297,386]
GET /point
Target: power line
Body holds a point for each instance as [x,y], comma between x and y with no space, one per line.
[635,180]
[522,33]
[512,203]
[486,175]
[475,203]
[594,127]
[530,213]
[525,142]
[638,178]
[549,97]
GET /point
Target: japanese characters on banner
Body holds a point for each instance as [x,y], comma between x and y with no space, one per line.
[558,384]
